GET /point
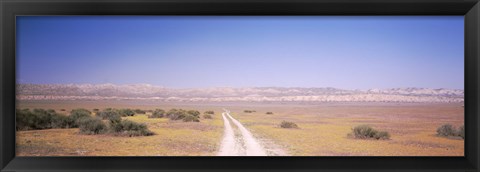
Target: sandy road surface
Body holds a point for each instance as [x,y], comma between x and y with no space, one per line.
[242,144]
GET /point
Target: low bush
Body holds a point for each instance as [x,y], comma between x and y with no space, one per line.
[126,112]
[91,126]
[367,132]
[383,135]
[26,120]
[139,111]
[129,128]
[96,110]
[63,110]
[210,112]
[158,113]
[448,130]
[364,132]
[42,119]
[77,114]
[72,120]
[461,131]
[109,114]
[249,111]
[80,112]
[62,121]
[288,124]
[81,118]
[207,116]
[194,113]
[191,118]
[269,113]
[186,116]
[176,114]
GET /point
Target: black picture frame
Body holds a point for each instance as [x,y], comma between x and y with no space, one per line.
[9,9]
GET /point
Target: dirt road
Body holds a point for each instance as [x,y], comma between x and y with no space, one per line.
[241,143]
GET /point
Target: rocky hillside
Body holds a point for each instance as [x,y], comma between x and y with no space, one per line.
[146,91]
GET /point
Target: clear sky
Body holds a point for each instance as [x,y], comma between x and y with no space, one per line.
[349,52]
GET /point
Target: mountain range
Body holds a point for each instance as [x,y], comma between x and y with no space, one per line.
[216,94]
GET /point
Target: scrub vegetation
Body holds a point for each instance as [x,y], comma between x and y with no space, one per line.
[449,131]
[187,130]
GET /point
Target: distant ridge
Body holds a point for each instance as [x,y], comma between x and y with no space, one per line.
[217,94]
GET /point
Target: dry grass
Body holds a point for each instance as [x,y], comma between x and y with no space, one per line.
[172,138]
[323,130]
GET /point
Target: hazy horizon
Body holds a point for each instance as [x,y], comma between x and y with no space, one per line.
[345,52]
[153,85]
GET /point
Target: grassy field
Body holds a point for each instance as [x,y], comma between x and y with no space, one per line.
[322,131]
[172,138]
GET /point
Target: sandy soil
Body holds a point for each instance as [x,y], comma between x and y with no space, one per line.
[227,147]
[245,146]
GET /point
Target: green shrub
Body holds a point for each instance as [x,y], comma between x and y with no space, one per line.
[180,114]
[77,114]
[91,126]
[109,114]
[129,128]
[44,119]
[461,131]
[62,121]
[139,111]
[80,112]
[382,135]
[446,130]
[126,112]
[158,113]
[41,119]
[171,112]
[70,121]
[210,112]
[364,131]
[249,111]
[287,124]
[269,113]
[190,118]
[367,132]
[194,113]
[25,119]
[176,114]
[207,116]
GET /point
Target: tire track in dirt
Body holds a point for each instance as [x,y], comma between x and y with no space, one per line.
[227,147]
[232,146]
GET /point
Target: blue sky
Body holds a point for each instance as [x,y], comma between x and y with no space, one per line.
[350,52]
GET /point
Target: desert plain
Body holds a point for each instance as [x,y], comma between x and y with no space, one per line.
[323,129]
